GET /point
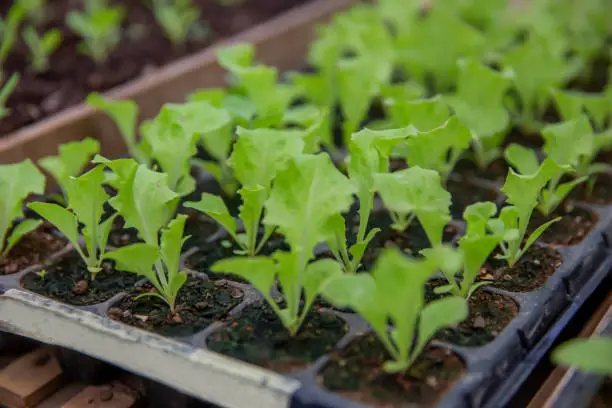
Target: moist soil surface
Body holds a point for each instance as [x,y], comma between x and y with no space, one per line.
[143,48]
[223,248]
[528,274]
[489,314]
[199,303]
[356,373]
[69,281]
[495,172]
[257,336]
[33,249]
[464,194]
[573,227]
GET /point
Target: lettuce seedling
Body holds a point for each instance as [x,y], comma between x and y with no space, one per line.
[591,355]
[9,32]
[533,82]
[5,92]
[100,29]
[423,114]
[260,83]
[483,234]
[416,192]
[17,182]
[34,10]
[177,17]
[143,197]
[570,145]
[394,293]
[70,162]
[173,136]
[369,152]
[423,60]
[573,104]
[257,157]
[479,103]
[86,199]
[159,264]
[41,47]
[522,192]
[359,81]
[440,148]
[124,113]
[305,196]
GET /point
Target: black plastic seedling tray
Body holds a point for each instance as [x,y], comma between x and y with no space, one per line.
[184,364]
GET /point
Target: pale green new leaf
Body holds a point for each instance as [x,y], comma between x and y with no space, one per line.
[64,220]
[316,276]
[143,200]
[17,182]
[259,154]
[170,251]
[71,160]
[439,314]
[215,208]
[523,159]
[569,142]
[139,259]
[417,191]
[260,271]
[592,355]
[440,148]
[305,195]
[23,228]
[423,114]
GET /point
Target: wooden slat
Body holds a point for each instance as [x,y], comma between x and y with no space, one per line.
[29,379]
[114,395]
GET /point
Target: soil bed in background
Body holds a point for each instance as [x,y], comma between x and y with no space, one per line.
[573,227]
[601,193]
[69,281]
[258,337]
[464,194]
[528,274]
[143,47]
[495,172]
[33,249]
[356,373]
[199,303]
[490,313]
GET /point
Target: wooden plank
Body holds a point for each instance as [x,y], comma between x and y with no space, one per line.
[554,379]
[113,395]
[29,379]
[60,397]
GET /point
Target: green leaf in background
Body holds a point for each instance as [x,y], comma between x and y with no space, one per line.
[569,142]
[423,114]
[593,355]
[70,162]
[17,182]
[124,114]
[215,208]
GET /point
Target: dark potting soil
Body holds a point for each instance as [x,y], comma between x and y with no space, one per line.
[601,192]
[464,194]
[489,314]
[223,248]
[523,137]
[356,373]
[528,274]
[603,398]
[143,48]
[257,336]
[410,241]
[69,281]
[496,171]
[33,249]
[573,227]
[199,303]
